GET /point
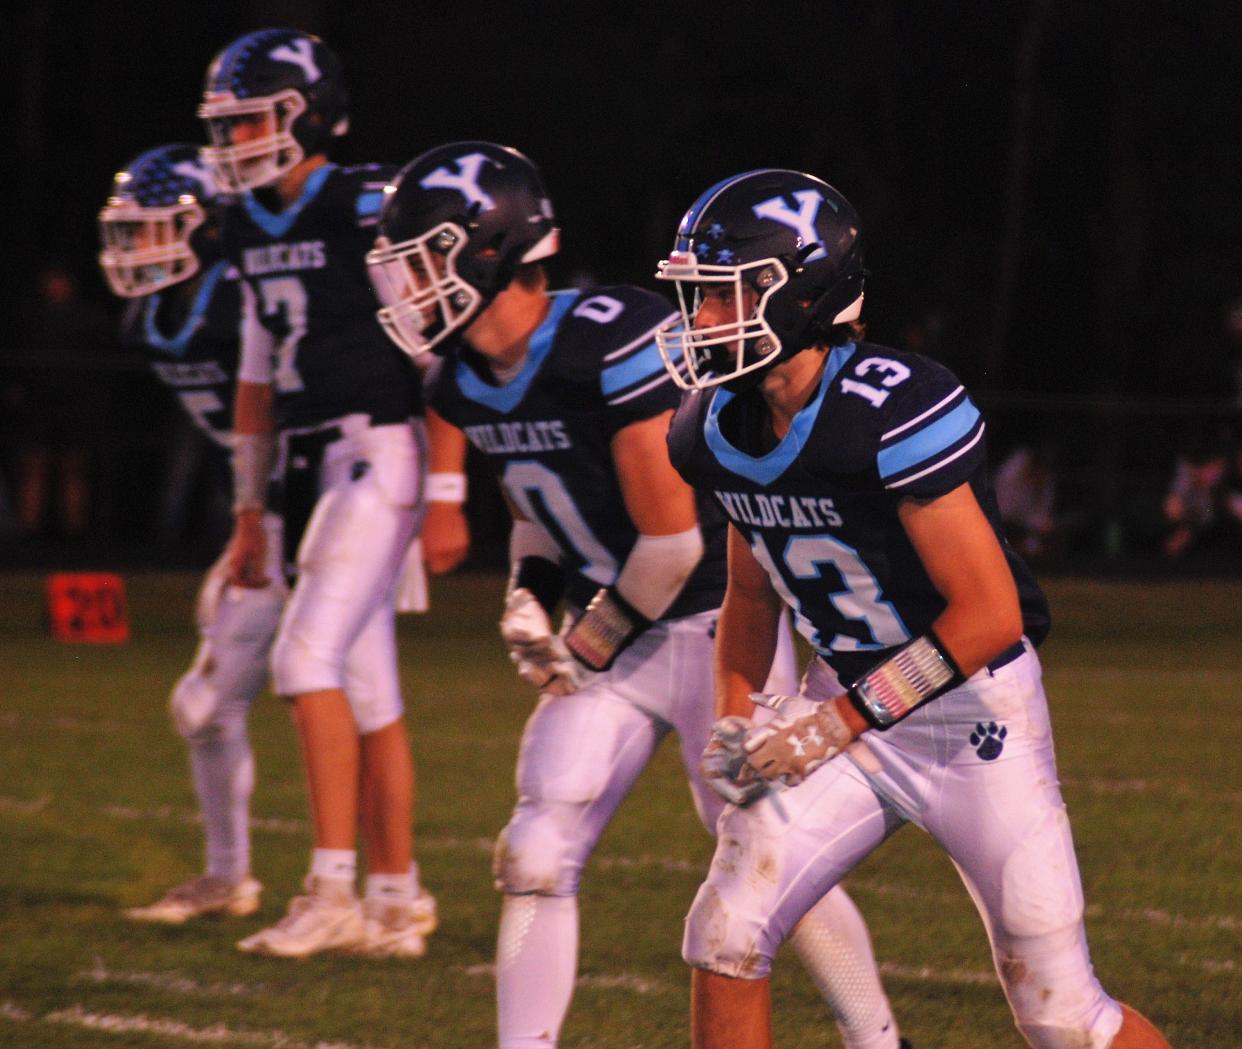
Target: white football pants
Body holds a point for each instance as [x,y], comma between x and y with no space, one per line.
[210,702]
[579,757]
[338,629]
[975,769]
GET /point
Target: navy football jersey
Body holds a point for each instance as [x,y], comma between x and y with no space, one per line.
[305,266]
[819,507]
[195,343]
[591,369]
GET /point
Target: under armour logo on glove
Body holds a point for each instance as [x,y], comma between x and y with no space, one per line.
[790,748]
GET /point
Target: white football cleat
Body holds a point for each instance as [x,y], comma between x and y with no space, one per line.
[326,918]
[204,896]
[397,930]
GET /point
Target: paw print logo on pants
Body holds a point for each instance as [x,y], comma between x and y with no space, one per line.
[989,740]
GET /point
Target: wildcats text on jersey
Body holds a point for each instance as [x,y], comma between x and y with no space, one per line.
[502,438]
[282,258]
[196,373]
[772,510]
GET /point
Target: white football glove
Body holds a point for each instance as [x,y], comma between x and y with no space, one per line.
[785,706]
[724,762]
[538,652]
[792,746]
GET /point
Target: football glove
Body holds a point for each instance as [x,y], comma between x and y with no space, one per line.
[536,650]
[724,763]
[792,746]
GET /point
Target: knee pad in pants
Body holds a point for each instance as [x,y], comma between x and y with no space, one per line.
[536,852]
[230,667]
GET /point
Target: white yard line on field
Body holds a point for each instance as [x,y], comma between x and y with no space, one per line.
[26,807]
[165,1027]
[165,981]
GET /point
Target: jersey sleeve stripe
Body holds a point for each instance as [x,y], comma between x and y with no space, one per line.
[960,391]
[368,204]
[942,462]
[660,380]
[929,442]
[642,340]
[636,368]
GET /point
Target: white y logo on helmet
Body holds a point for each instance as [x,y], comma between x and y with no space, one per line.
[196,173]
[801,221]
[466,181]
[301,53]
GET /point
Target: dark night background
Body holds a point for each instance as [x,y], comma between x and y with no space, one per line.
[1049,188]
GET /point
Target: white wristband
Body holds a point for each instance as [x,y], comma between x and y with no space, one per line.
[446,488]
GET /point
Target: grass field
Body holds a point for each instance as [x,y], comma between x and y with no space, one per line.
[96,814]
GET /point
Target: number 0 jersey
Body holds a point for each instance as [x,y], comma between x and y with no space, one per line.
[819,507]
[309,304]
[195,346]
[592,368]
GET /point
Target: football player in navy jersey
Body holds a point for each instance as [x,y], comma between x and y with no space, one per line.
[854,481]
[161,252]
[564,393]
[322,388]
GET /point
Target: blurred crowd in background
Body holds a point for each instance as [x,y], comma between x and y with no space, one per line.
[1049,203]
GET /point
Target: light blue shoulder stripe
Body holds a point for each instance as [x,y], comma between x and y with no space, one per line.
[368,204]
[768,468]
[928,442]
[644,364]
[176,346]
[279,223]
[507,397]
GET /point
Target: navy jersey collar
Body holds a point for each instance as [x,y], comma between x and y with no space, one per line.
[507,397]
[767,468]
[176,344]
[277,224]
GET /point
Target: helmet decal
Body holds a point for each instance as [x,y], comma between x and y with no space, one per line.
[801,221]
[466,182]
[196,172]
[300,52]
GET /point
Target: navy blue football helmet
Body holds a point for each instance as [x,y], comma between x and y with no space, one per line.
[271,98]
[455,225]
[785,249]
[154,225]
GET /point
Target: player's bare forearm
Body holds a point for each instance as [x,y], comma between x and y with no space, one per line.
[446,531]
[965,562]
[252,408]
[446,537]
[746,632]
[446,445]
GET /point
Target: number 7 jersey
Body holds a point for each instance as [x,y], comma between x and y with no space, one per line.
[819,507]
[591,369]
[307,298]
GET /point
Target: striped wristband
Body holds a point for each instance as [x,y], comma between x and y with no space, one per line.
[910,677]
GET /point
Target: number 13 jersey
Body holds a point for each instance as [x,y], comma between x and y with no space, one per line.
[819,507]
